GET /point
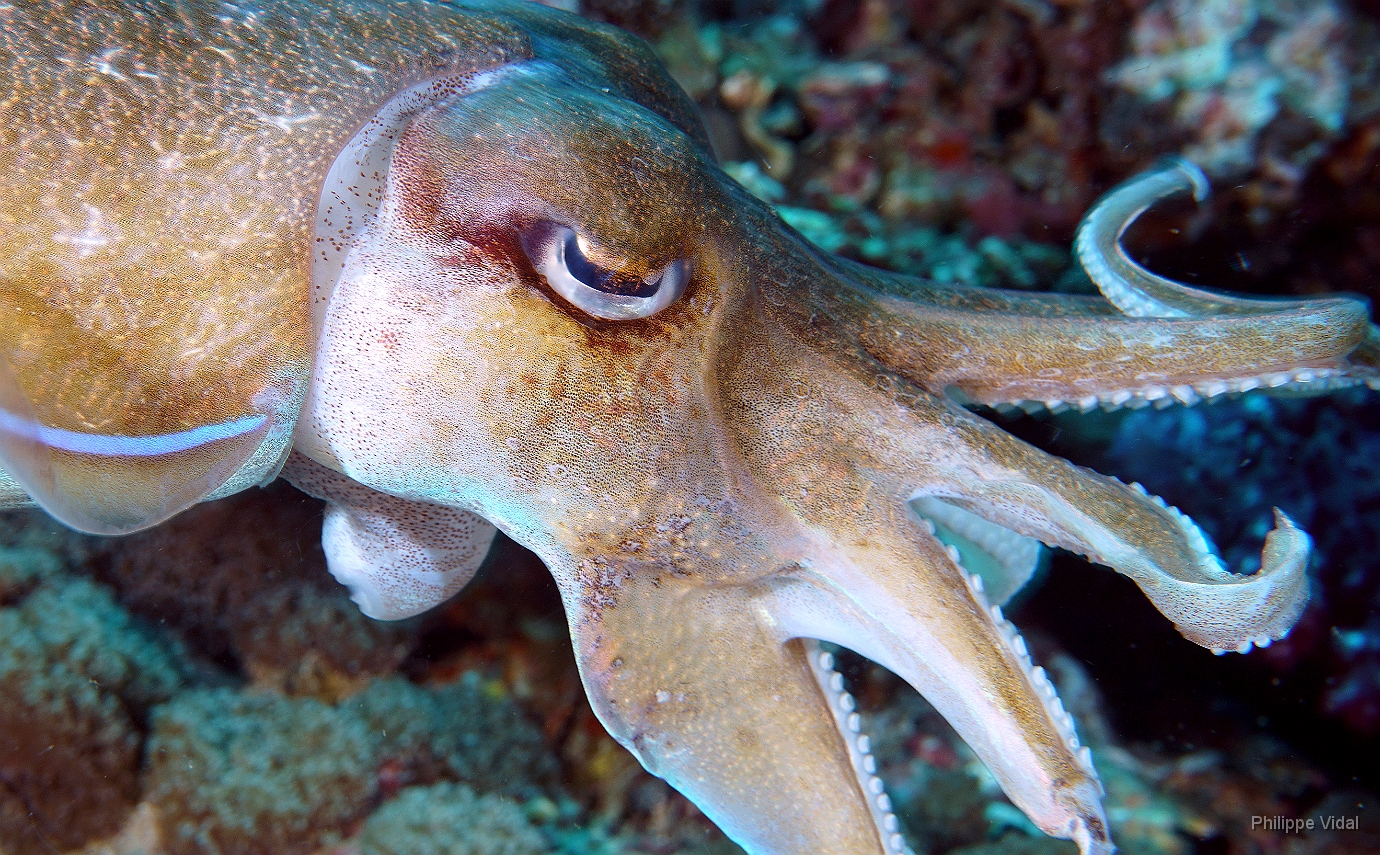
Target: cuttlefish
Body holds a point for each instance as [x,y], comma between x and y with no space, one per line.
[459,267]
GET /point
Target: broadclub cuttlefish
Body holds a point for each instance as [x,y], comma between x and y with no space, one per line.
[463,266]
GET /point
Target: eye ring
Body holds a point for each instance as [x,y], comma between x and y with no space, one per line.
[556,254]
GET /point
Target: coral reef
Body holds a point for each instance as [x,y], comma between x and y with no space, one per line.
[450,819]
[1229,68]
[903,133]
[77,675]
[243,774]
[244,581]
[239,773]
[468,730]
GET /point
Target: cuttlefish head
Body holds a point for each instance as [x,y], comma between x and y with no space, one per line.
[540,301]
[544,287]
[562,316]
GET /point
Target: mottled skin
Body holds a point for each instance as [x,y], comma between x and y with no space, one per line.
[774,459]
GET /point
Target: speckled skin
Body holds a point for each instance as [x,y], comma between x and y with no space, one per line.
[714,487]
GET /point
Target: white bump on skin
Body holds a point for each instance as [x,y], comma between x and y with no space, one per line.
[397,557]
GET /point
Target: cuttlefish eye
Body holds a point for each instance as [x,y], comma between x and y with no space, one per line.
[561,256]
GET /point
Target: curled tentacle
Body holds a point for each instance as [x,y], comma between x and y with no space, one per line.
[1140,293]
[1038,495]
[1133,289]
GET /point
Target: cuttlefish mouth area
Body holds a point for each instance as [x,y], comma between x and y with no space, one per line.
[769,458]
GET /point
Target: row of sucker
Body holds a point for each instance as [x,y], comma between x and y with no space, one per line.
[1160,395]
[1044,688]
[849,724]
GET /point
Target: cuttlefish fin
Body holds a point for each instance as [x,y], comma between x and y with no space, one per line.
[1121,526]
[397,557]
[113,483]
[703,686]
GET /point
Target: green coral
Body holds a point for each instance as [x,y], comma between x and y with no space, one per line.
[82,628]
[242,774]
[460,731]
[450,819]
[22,568]
[76,675]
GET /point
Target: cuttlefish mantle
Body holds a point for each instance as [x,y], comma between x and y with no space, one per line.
[466,267]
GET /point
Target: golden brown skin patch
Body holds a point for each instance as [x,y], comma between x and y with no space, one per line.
[772,456]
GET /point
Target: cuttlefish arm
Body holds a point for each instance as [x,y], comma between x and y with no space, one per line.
[1151,340]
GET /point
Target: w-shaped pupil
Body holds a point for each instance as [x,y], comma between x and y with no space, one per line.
[596,277]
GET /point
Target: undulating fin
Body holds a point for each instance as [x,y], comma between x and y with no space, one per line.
[115,483]
[397,557]
[1003,559]
[706,689]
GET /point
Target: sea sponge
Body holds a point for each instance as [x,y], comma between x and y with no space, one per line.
[257,774]
[77,674]
[450,819]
